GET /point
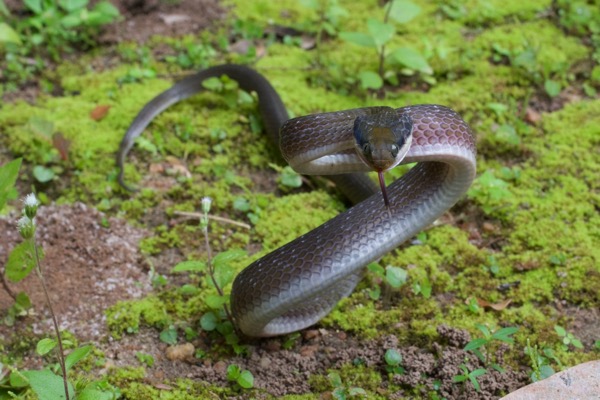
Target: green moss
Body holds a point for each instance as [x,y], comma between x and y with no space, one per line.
[288,217]
[475,12]
[550,50]
[127,316]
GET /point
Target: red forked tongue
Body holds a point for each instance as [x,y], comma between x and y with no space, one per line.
[383,188]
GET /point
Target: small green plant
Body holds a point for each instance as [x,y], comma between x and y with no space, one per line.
[471,376]
[145,359]
[218,275]
[54,27]
[540,362]
[501,335]
[391,277]
[423,287]
[288,178]
[379,34]
[393,360]
[568,339]
[242,378]
[341,391]
[291,340]
[53,382]
[490,192]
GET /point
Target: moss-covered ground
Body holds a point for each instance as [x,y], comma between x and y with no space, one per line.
[526,238]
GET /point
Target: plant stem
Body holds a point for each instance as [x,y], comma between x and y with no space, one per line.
[382,52]
[61,354]
[211,272]
[6,287]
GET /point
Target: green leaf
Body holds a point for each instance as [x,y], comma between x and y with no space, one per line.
[8,34]
[380,32]
[43,174]
[246,379]
[3,9]
[20,262]
[411,59]
[546,371]
[225,257]
[18,380]
[403,11]
[45,346]
[475,344]
[23,301]
[71,21]
[553,88]
[77,355]
[241,204]
[73,5]
[473,377]
[577,343]
[370,80]
[233,372]
[508,134]
[91,393]
[192,265]
[215,301]
[358,38]
[34,5]
[505,333]
[224,275]
[8,176]
[335,379]
[169,335]
[395,276]
[560,330]
[146,144]
[213,84]
[47,385]
[392,357]
[290,178]
[209,321]
[103,13]
[477,372]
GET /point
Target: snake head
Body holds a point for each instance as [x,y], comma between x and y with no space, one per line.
[382,139]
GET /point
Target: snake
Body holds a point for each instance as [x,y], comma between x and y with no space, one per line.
[299,283]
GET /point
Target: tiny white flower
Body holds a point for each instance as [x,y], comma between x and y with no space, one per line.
[31,205]
[206,203]
[31,200]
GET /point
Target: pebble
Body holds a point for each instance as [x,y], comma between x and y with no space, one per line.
[180,352]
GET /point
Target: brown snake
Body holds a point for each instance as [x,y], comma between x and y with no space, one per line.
[299,283]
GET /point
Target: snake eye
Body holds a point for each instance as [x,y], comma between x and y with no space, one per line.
[394,150]
[366,148]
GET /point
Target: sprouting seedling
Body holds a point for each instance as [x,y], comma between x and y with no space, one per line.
[503,335]
[240,377]
[469,375]
[567,338]
[393,359]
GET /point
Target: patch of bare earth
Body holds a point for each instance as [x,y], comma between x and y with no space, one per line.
[87,266]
